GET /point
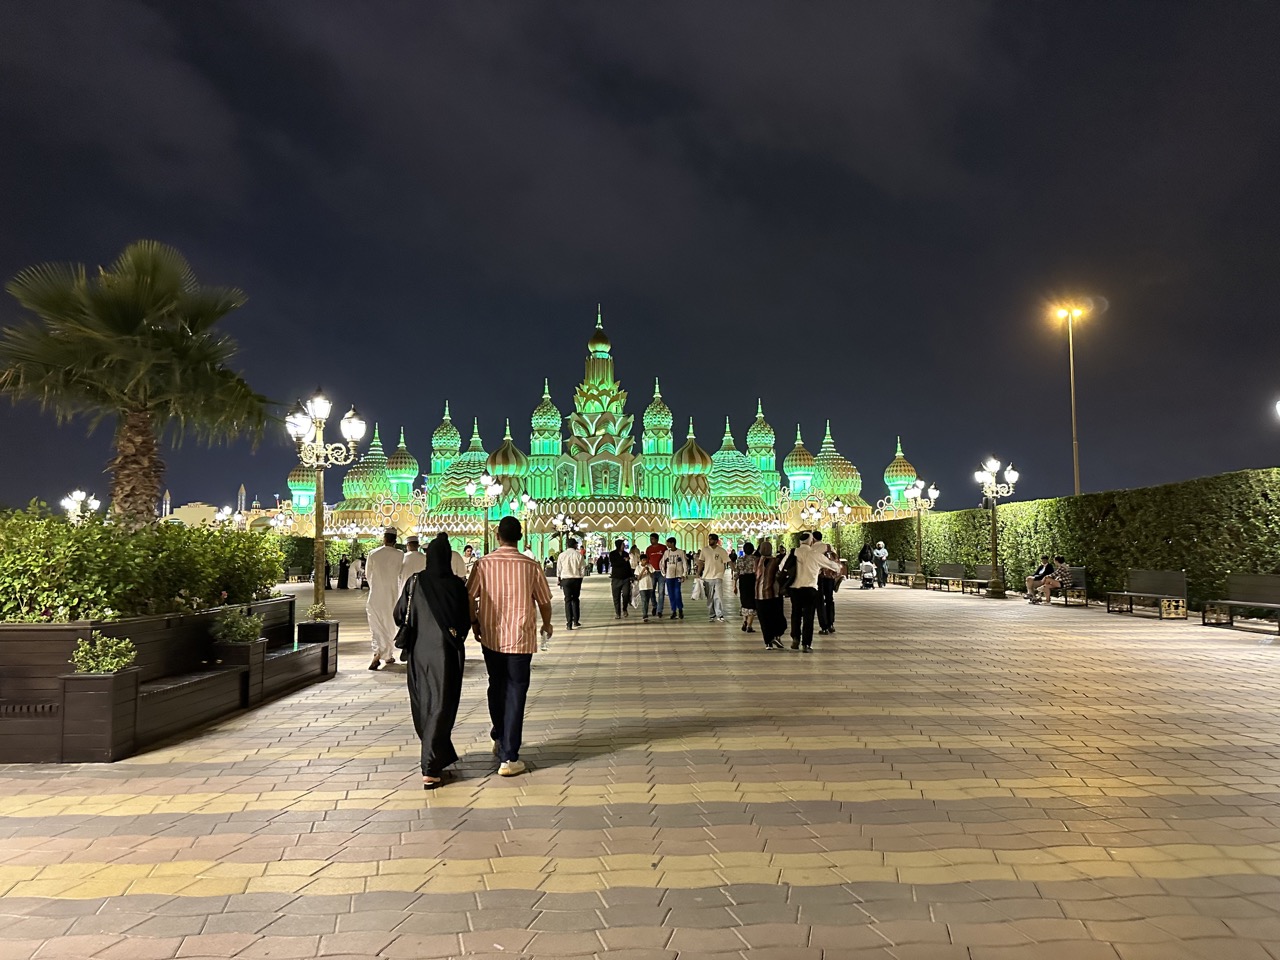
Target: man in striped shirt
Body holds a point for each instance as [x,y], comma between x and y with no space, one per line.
[504,588]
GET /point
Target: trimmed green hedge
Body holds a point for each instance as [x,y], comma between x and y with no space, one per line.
[301,552]
[1208,527]
[54,570]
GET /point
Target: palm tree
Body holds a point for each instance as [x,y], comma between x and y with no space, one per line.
[134,343]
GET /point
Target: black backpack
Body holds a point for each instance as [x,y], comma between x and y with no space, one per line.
[786,576]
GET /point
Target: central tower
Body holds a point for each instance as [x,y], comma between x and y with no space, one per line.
[600,438]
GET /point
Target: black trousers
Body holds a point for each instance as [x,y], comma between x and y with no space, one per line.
[621,588]
[773,621]
[571,587]
[508,690]
[882,572]
[804,602]
[826,603]
[435,690]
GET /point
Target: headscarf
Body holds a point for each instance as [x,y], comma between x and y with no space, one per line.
[445,594]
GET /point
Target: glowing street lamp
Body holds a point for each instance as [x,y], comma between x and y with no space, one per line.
[79,505]
[565,525]
[1071,312]
[994,490]
[305,424]
[484,495]
[839,511]
[811,515]
[919,500]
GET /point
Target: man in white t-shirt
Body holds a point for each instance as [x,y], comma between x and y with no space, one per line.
[675,567]
[570,568]
[712,562]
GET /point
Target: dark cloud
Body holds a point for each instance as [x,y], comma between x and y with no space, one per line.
[851,210]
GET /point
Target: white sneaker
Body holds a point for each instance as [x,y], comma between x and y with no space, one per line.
[511,768]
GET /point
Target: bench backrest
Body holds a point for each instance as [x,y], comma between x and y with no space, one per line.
[951,570]
[1079,577]
[983,572]
[909,566]
[1168,583]
[1262,587]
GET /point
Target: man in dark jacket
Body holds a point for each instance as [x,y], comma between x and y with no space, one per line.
[620,577]
[1033,582]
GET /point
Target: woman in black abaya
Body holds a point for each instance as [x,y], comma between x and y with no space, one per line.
[443,618]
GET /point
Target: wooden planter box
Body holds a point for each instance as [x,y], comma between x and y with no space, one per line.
[179,681]
[322,632]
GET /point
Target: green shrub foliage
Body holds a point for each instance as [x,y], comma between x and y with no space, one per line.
[101,654]
[237,626]
[1207,527]
[58,571]
[301,552]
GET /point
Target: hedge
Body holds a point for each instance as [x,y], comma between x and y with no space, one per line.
[1207,527]
[58,571]
[301,552]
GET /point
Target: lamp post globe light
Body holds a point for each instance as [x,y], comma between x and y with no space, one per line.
[811,515]
[565,525]
[919,500]
[305,424]
[994,490]
[79,505]
[1071,312]
[839,511]
[484,495]
[520,509]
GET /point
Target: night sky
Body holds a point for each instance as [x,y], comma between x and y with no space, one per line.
[854,210]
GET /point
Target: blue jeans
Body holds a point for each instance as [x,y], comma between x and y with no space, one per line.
[508,689]
[673,594]
[659,592]
[712,589]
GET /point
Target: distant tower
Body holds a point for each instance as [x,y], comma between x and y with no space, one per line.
[256,504]
[656,445]
[799,467]
[509,466]
[545,445]
[760,449]
[899,475]
[167,507]
[240,499]
[402,471]
[446,444]
[691,497]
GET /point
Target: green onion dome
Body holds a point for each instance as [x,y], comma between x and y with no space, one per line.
[691,459]
[833,474]
[598,345]
[402,466]
[446,441]
[657,416]
[899,474]
[546,416]
[799,462]
[302,479]
[732,473]
[468,467]
[760,434]
[508,460]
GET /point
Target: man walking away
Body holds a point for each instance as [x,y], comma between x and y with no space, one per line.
[827,581]
[570,568]
[620,576]
[653,553]
[675,567]
[713,560]
[504,588]
[382,572]
[804,593]
[414,560]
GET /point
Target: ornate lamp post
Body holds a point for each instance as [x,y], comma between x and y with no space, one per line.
[839,511]
[994,491]
[565,525]
[811,515]
[520,509]
[919,503]
[306,427]
[79,505]
[484,495]
[1071,312]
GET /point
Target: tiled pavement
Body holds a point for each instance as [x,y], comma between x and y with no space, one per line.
[946,777]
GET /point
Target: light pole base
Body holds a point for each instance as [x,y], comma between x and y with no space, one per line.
[995,589]
[917,581]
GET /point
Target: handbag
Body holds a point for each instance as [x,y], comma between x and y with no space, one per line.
[696,594]
[407,635]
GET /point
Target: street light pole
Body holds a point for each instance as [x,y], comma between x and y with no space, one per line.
[915,495]
[1071,312]
[484,495]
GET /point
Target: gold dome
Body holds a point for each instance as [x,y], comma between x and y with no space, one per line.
[508,460]
[691,459]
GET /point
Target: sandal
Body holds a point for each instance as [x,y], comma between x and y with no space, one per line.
[434,783]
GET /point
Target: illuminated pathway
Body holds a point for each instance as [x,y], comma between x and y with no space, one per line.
[947,777]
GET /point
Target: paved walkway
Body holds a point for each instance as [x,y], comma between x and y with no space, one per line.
[946,777]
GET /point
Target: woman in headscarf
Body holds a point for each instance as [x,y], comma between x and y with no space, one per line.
[442,616]
[773,622]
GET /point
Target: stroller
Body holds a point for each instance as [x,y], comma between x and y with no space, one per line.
[868,571]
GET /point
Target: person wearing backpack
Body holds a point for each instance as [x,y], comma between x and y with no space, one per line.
[809,561]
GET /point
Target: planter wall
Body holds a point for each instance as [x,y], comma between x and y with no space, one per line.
[324,632]
[179,681]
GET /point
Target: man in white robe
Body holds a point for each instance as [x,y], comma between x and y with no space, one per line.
[415,561]
[382,573]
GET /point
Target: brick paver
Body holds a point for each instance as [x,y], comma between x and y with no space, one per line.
[944,777]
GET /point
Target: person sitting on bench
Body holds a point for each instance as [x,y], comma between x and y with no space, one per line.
[1060,579]
[1033,582]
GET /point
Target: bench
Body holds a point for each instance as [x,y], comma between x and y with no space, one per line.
[981,577]
[950,576]
[904,576]
[293,574]
[1252,591]
[1078,592]
[1163,590]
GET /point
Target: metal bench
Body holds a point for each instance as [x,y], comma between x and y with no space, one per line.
[1165,591]
[1078,592]
[981,577]
[904,576]
[950,576]
[1251,591]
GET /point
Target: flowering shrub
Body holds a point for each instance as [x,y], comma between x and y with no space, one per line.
[55,571]
[101,654]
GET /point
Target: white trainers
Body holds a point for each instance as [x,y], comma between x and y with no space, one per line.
[511,768]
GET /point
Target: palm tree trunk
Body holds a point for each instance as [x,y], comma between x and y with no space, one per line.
[137,471]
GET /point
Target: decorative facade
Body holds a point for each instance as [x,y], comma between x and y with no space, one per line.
[588,466]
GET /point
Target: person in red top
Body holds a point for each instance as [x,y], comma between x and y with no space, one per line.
[653,553]
[505,588]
